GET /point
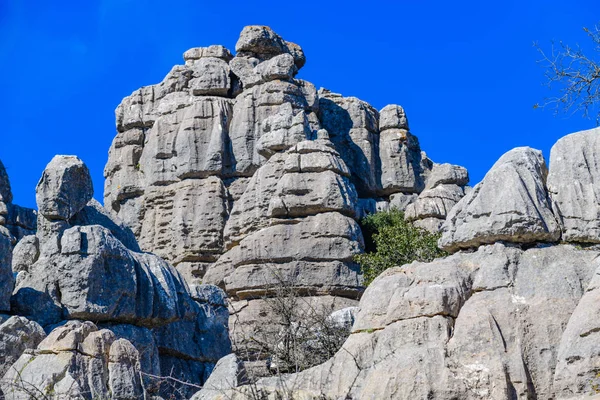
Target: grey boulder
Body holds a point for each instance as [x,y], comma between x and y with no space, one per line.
[572,183]
[64,189]
[77,361]
[17,334]
[510,204]
[228,374]
[262,42]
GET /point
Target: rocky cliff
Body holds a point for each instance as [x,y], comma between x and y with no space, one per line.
[247,177]
[231,179]
[512,314]
[89,316]
[201,158]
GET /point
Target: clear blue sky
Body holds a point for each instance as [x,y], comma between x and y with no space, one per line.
[465,72]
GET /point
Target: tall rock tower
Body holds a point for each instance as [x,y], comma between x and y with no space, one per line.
[242,175]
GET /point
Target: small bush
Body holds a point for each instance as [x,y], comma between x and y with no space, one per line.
[391,241]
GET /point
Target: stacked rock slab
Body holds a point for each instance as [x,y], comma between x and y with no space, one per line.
[445,187]
[117,319]
[510,315]
[15,221]
[292,226]
[187,148]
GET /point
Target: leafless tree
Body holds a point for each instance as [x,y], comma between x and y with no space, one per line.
[300,333]
[576,74]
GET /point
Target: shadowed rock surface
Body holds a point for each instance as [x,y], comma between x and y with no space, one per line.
[82,266]
[15,221]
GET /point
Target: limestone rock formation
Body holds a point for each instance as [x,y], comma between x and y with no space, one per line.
[188,148]
[117,319]
[400,153]
[445,187]
[209,122]
[64,189]
[483,325]
[77,360]
[15,221]
[511,315]
[17,334]
[510,204]
[228,374]
[244,176]
[248,178]
[574,171]
[292,226]
[353,127]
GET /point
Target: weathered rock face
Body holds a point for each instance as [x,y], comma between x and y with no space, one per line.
[246,177]
[515,318]
[64,362]
[401,169]
[353,128]
[64,189]
[510,204]
[188,148]
[499,323]
[17,334]
[15,221]
[574,171]
[83,265]
[291,220]
[233,166]
[445,187]
[214,119]
[292,226]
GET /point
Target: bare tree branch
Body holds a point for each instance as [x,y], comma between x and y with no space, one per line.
[575,74]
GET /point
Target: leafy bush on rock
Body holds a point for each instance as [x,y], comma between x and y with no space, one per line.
[391,241]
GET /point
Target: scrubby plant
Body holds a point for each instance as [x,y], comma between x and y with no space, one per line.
[391,241]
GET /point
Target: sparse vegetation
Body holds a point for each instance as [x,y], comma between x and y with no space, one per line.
[391,241]
[300,334]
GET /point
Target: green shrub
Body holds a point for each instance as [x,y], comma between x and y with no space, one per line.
[390,241]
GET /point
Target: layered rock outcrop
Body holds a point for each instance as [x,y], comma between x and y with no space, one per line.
[182,144]
[120,323]
[293,226]
[513,314]
[188,148]
[446,185]
[244,176]
[251,179]
[483,325]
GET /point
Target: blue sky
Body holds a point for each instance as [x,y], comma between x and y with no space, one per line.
[465,72]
